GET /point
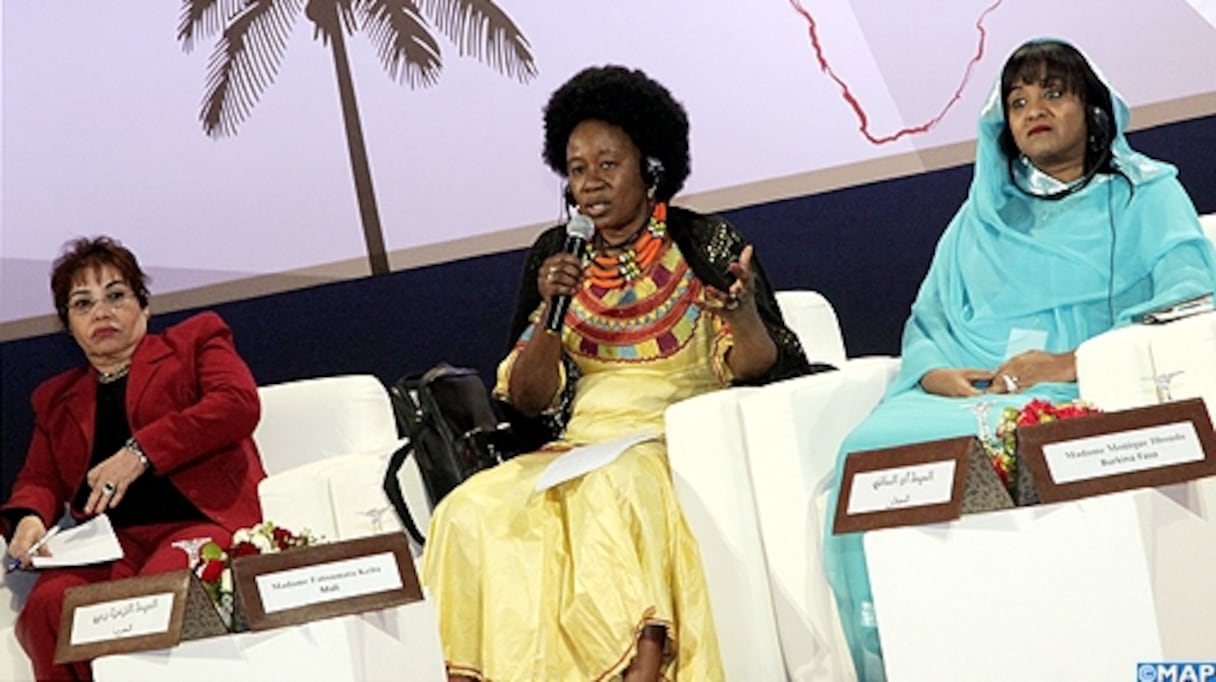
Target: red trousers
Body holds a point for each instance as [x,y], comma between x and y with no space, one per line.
[146,550]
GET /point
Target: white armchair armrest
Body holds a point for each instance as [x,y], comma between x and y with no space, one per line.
[793,431]
[1208,223]
[709,470]
[1119,369]
[747,463]
[14,587]
[342,497]
[325,444]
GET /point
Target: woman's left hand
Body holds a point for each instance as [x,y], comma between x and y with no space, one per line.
[1033,367]
[754,351]
[110,480]
[739,301]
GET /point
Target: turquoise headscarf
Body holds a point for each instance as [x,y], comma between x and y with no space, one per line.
[1015,266]
[1009,259]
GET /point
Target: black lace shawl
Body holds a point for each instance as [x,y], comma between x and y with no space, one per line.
[709,244]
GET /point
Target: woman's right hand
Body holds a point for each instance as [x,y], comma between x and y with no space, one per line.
[560,275]
[955,383]
[535,377]
[29,530]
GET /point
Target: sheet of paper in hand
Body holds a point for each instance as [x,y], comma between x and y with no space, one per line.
[587,458]
[92,542]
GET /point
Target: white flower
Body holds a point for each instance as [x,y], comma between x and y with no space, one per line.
[263,543]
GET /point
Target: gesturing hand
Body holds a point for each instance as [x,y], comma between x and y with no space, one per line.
[740,299]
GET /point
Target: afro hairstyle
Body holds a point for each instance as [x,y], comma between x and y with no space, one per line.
[630,100]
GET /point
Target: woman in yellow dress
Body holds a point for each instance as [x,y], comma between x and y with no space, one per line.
[599,578]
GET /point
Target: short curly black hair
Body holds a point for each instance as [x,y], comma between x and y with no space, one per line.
[631,100]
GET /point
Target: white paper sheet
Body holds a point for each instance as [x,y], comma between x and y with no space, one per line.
[587,458]
[91,542]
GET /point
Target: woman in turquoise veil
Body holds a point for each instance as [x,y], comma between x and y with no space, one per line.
[1066,232]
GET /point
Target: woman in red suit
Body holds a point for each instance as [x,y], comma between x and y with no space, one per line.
[154,431]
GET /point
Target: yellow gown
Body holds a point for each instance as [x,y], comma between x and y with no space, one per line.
[557,585]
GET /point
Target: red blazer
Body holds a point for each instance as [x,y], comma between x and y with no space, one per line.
[192,405]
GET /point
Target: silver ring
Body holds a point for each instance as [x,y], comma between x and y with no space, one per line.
[108,489]
[1011,383]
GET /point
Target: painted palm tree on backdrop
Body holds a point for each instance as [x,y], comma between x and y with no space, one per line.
[254,35]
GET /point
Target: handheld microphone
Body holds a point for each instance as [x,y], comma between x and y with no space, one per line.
[578,231]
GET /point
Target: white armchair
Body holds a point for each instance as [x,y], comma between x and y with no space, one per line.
[325,444]
[751,468]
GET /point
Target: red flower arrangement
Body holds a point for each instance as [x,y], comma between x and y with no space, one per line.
[213,564]
[1002,448]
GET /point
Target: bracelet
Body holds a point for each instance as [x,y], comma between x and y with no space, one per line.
[133,446]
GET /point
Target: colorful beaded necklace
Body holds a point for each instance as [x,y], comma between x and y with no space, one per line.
[610,272]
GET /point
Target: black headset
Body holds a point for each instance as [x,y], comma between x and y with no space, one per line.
[1097,122]
[652,175]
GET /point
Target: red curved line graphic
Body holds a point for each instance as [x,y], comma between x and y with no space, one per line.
[852,100]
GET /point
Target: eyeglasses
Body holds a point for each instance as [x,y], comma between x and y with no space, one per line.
[113,300]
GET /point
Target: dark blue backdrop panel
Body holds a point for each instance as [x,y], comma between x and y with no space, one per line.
[866,248]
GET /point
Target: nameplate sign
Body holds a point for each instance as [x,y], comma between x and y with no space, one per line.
[141,615]
[1114,451]
[324,581]
[135,614]
[1123,452]
[329,581]
[903,486]
[916,485]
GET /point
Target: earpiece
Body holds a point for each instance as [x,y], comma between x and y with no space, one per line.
[652,172]
[1097,122]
